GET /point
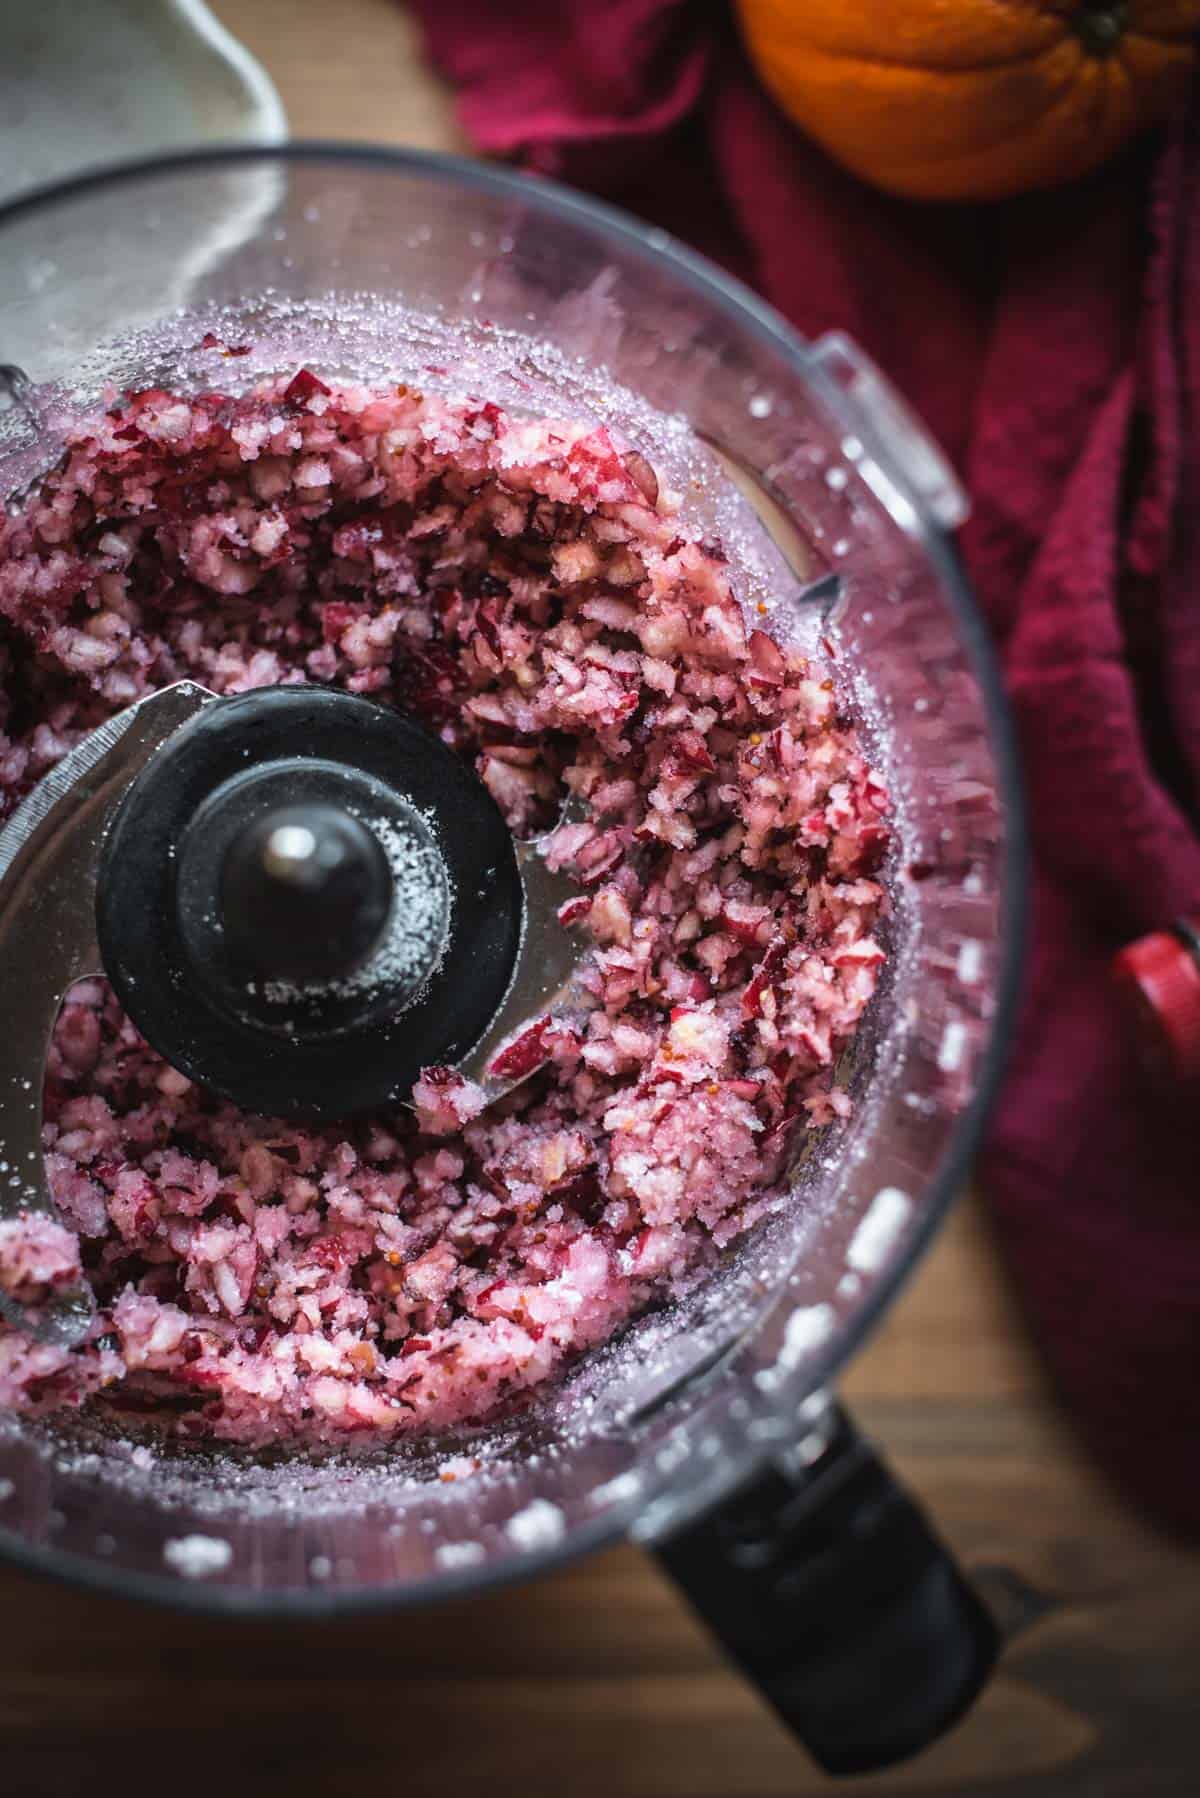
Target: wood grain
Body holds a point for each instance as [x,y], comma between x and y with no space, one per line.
[597,1682]
[350,70]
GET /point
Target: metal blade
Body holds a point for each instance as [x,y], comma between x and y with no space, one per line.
[48,857]
[543,981]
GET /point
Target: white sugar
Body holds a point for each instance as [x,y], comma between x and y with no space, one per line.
[969,965]
[454,1555]
[617,1491]
[196,1557]
[539,1525]
[806,1330]
[952,1047]
[879,1230]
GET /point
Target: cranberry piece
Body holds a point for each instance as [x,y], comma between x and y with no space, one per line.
[766,659]
[447,603]
[353,543]
[441,1076]
[872,847]
[763,977]
[744,922]
[596,858]
[642,476]
[484,1307]
[528,1052]
[640,1243]
[327,1251]
[582,1194]
[490,414]
[690,754]
[336,617]
[149,396]
[429,681]
[302,386]
[487,618]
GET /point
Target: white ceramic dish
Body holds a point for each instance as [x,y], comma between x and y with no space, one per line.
[88,82]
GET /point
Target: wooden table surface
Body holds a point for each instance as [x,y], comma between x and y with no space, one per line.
[596,1682]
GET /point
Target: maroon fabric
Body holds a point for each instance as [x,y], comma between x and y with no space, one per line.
[1053,343]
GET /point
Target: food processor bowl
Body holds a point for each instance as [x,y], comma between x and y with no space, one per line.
[705,1430]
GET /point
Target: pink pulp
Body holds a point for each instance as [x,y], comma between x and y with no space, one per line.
[529,590]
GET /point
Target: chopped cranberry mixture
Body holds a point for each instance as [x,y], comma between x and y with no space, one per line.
[528,589]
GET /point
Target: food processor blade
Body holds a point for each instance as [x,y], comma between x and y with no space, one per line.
[48,857]
[56,868]
[541,993]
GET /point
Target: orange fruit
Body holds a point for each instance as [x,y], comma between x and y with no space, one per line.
[972,99]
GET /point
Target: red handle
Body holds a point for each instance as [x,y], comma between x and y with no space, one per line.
[1159,977]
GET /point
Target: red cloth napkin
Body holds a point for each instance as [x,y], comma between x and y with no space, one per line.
[1053,344]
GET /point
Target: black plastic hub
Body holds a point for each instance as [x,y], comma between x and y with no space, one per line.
[306,898]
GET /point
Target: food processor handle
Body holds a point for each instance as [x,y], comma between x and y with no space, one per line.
[830,1589]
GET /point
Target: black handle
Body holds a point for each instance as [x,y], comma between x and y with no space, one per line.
[831,1591]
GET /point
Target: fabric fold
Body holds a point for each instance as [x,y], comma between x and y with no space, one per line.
[1053,344]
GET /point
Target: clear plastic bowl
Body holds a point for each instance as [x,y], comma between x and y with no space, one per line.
[390,264]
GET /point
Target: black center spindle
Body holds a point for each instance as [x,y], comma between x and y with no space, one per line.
[305,892]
